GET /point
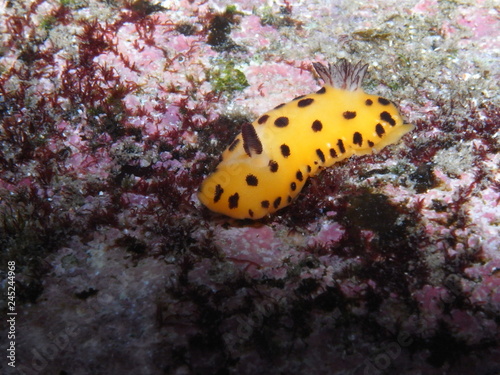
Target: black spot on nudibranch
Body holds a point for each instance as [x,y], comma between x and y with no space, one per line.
[379,129]
[370,143]
[316,126]
[293,186]
[262,119]
[321,90]
[279,106]
[251,141]
[383,101]
[285,150]
[277,202]
[368,102]
[386,116]
[320,155]
[250,213]
[233,200]
[333,153]
[298,97]
[299,176]
[234,144]
[357,139]
[281,122]
[218,193]
[309,169]
[264,204]
[273,166]
[252,180]
[305,102]
[349,115]
[289,199]
[341,146]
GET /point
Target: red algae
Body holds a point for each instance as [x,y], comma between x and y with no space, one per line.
[111,115]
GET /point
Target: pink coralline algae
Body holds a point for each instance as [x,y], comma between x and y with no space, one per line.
[252,248]
[112,114]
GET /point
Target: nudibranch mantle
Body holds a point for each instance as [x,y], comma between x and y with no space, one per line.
[268,163]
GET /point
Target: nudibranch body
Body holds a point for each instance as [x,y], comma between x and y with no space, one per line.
[268,163]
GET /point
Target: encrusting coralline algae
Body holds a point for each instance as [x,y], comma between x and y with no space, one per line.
[113,113]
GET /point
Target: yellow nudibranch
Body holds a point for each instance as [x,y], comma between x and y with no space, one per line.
[268,163]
